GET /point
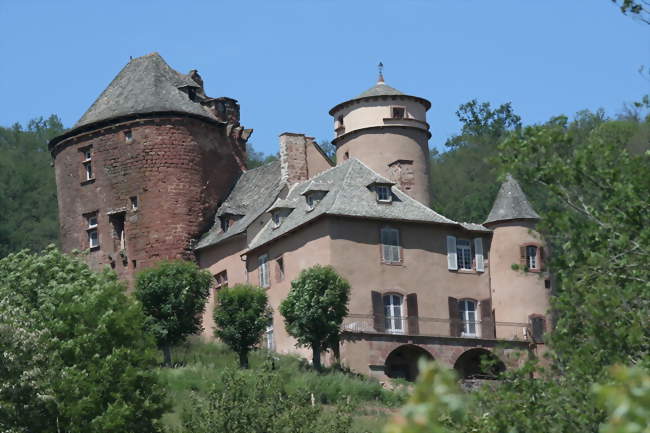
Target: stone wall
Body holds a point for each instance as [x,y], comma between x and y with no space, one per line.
[177,168]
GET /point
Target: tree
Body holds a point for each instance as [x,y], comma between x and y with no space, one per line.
[315,307]
[329,149]
[74,354]
[256,159]
[173,295]
[464,179]
[638,8]
[241,314]
[29,217]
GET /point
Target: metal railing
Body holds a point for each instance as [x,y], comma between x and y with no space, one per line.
[435,327]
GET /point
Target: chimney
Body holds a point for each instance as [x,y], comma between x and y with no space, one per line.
[293,158]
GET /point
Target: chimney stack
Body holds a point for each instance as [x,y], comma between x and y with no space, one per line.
[293,158]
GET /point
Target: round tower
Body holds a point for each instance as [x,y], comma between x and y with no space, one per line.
[140,174]
[388,131]
[518,277]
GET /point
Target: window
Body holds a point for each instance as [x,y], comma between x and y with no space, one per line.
[87,164]
[91,230]
[467,310]
[313,198]
[340,119]
[393,314]
[221,280]
[119,237]
[277,218]
[279,266]
[191,92]
[390,248]
[531,257]
[268,337]
[464,254]
[134,202]
[128,136]
[383,193]
[397,112]
[346,156]
[224,222]
[263,262]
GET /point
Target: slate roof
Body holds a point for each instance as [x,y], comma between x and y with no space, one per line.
[146,84]
[380,89]
[348,196]
[511,203]
[251,196]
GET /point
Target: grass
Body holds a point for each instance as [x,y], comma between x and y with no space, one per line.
[199,367]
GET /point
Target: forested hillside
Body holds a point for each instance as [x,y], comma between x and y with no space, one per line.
[28,207]
[464,178]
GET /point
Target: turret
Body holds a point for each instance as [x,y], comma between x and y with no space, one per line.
[520,293]
[140,174]
[387,130]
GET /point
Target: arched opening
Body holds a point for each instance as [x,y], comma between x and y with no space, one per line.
[479,364]
[403,362]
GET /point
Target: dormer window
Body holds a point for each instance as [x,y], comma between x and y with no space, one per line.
[191,92]
[397,112]
[224,222]
[277,218]
[383,193]
[312,199]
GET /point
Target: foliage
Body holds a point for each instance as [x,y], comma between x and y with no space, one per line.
[638,8]
[329,149]
[435,403]
[241,314]
[256,159]
[258,403]
[74,356]
[464,179]
[173,296]
[29,217]
[627,400]
[315,307]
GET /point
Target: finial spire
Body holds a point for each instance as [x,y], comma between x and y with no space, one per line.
[380,67]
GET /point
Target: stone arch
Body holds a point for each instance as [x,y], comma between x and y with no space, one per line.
[469,364]
[402,362]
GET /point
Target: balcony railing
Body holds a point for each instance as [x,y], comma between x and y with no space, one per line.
[435,327]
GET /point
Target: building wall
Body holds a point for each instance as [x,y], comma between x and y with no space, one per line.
[179,168]
[516,294]
[226,256]
[378,148]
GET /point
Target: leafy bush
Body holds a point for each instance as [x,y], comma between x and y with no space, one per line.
[173,296]
[241,314]
[257,402]
[74,355]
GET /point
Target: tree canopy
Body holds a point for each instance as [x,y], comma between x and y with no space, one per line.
[315,307]
[74,355]
[241,314]
[173,295]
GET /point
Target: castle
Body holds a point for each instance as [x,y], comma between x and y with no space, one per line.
[155,169]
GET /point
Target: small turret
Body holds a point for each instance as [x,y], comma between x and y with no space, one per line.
[520,294]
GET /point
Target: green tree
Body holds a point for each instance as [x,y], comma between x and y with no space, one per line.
[256,159]
[315,307]
[29,217]
[464,179]
[253,402]
[329,149]
[74,354]
[638,8]
[173,295]
[241,314]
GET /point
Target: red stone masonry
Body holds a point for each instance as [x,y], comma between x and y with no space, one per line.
[177,168]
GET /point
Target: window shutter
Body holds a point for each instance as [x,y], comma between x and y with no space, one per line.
[478,253]
[538,325]
[454,318]
[487,321]
[412,307]
[378,311]
[540,258]
[452,261]
[522,256]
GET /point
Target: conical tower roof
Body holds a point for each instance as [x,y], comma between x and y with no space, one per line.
[146,84]
[511,204]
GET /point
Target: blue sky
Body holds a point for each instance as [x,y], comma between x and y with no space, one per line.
[289,61]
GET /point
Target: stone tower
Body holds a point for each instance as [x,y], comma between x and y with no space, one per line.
[520,294]
[140,174]
[387,130]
